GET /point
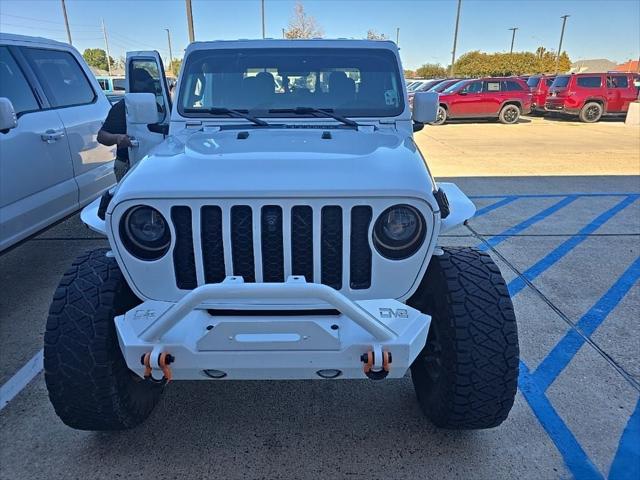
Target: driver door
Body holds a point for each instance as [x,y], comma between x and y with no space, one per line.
[145,74]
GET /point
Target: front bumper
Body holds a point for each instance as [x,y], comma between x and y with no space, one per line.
[269,331]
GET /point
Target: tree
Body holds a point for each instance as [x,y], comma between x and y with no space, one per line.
[409,74]
[97,57]
[174,66]
[302,25]
[480,64]
[431,70]
[373,35]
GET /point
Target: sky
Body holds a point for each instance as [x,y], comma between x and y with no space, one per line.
[595,29]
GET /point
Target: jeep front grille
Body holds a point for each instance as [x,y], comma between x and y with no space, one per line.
[265,242]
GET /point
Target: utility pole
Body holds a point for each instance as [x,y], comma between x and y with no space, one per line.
[192,37]
[564,22]
[106,44]
[66,21]
[513,37]
[170,53]
[397,35]
[263,33]
[455,39]
[283,34]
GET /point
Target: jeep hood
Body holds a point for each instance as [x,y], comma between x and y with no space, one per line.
[287,162]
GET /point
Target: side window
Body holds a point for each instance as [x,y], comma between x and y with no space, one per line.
[617,81]
[473,87]
[145,78]
[103,84]
[549,81]
[589,82]
[62,78]
[492,86]
[14,85]
[514,86]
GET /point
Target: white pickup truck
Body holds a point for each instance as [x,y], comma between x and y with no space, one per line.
[286,228]
[51,108]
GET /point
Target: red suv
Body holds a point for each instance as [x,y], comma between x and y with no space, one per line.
[539,85]
[502,98]
[591,95]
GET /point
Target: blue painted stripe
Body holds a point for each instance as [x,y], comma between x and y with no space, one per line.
[626,463]
[494,206]
[517,284]
[553,195]
[572,453]
[495,240]
[568,346]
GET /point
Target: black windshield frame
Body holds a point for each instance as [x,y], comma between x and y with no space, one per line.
[327,58]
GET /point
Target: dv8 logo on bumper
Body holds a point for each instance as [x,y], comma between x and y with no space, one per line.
[393,313]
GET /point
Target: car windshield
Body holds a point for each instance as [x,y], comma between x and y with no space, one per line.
[414,86]
[455,86]
[351,82]
[533,81]
[441,87]
[561,81]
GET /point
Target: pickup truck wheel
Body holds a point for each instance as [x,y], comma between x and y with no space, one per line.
[509,114]
[441,116]
[591,112]
[88,381]
[466,375]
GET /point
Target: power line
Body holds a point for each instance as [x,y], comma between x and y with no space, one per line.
[47,21]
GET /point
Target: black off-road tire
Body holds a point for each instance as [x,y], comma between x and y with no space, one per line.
[591,112]
[466,376]
[510,114]
[441,116]
[88,381]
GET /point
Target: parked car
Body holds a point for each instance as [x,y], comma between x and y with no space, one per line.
[539,85]
[244,250]
[442,86]
[589,96]
[417,84]
[52,108]
[502,98]
[113,87]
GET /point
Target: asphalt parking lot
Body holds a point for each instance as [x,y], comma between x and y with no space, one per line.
[567,242]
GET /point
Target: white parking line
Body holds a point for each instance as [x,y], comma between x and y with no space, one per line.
[21,379]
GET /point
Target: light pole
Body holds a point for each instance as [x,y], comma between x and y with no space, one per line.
[190,22]
[455,39]
[170,53]
[263,35]
[66,21]
[513,37]
[564,22]
[106,44]
[397,35]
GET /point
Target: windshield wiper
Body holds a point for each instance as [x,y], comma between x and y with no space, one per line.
[229,112]
[327,112]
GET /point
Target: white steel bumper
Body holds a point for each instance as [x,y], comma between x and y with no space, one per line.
[287,330]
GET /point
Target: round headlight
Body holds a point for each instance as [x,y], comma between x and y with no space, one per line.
[145,233]
[399,232]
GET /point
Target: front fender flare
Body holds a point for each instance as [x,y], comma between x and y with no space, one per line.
[89,216]
[460,206]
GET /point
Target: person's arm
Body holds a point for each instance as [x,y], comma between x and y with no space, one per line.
[113,128]
[122,140]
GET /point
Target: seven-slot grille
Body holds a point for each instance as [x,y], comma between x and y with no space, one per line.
[265,243]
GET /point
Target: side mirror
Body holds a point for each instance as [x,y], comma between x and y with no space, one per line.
[8,118]
[425,107]
[141,108]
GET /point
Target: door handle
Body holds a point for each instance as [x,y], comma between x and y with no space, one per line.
[135,143]
[51,136]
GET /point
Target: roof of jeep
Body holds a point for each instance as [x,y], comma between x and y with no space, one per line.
[297,43]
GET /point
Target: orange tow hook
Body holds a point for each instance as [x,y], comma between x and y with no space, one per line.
[164,360]
[369,360]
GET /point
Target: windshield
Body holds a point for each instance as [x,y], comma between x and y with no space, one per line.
[561,81]
[442,86]
[455,86]
[533,81]
[351,82]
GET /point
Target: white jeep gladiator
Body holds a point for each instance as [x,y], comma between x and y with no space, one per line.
[279,223]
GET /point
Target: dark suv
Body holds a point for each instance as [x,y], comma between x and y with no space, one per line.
[502,98]
[591,95]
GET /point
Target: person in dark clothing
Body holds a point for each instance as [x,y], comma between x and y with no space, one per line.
[114,128]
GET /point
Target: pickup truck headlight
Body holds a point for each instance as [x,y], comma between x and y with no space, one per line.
[145,233]
[399,232]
